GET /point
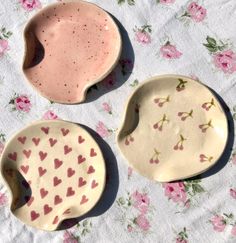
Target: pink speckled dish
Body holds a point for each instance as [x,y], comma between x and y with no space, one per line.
[70,46]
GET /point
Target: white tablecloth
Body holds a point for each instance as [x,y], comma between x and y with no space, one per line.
[196,39]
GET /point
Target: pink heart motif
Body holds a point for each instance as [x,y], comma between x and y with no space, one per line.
[57,163]
[70,192]
[29,200]
[81,182]
[67,211]
[56,181]
[36,141]
[25,168]
[41,171]
[43,192]
[92,152]
[12,156]
[70,172]
[64,131]
[57,199]
[47,209]
[81,159]
[67,149]
[42,155]
[84,199]
[27,153]
[34,215]
[56,219]
[52,142]
[90,170]
[22,139]
[94,184]
[80,139]
[45,129]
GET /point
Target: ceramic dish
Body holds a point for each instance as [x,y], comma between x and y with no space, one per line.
[174,128]
[70,46]
[54,170]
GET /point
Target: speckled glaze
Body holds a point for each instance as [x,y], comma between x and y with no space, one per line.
[54,170]
[174,128]
[70,46]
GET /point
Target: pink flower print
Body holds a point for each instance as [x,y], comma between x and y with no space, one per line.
[69,237]
[159,125]
[196,12]
[142,222]
[143,37]
[3,47]
[155,157]
[207,105]
[30,5]
[1,147]
[50,115]
[126,66]
[129,228]
[3,199]
[109,81]
[226,61]
[107,107]
[233,230]
[218,223]
[180,144]
[175,191]
[166,1]
[130,172]
[140,201]
[102,130]
[22,103]
[232,193]
[169,51]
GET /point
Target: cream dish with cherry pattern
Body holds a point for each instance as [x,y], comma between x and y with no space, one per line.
[174,128]
[54,170]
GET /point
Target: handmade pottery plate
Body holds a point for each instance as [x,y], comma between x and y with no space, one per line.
[55,171]
[69,46]
[173,128]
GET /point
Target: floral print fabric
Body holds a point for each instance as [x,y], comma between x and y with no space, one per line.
[190,37]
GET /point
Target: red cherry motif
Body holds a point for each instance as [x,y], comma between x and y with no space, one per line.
[41,171]
[64,131]
[52,142]
[25,168]
[57,200]
[45,129]
[12,156]
[42,155]
[56,181]
[27,153]
[36,141]
[34,215]
[22,139]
